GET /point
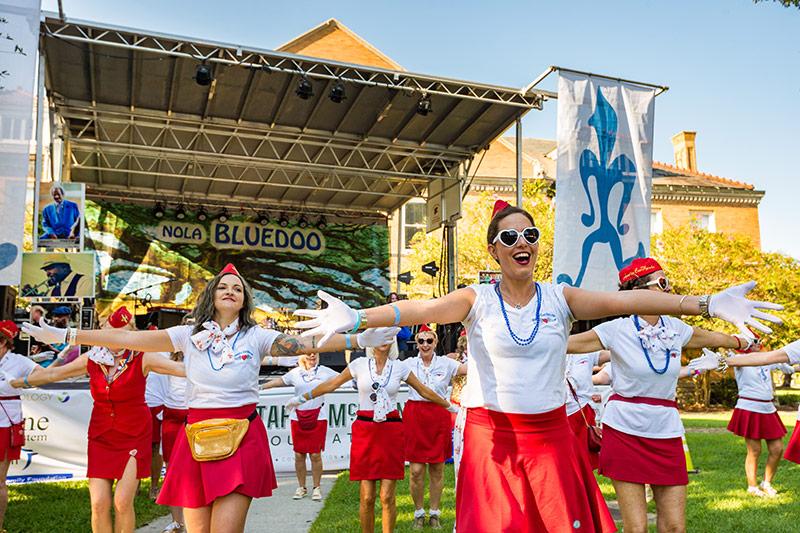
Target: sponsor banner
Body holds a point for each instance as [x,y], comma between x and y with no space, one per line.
[57,421]
[167,262]
[60,215]
[603,179]
[58,275]
[19,38]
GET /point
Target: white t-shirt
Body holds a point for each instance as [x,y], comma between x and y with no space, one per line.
[304,381]
[175,395]
[755,382]
[504,376]
[234,384]
[12,366]
[156,386]
[436,376]
[393,373]
[633,376]
[579,374]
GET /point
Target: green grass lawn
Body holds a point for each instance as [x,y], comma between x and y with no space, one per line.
[63,507]
[716,496]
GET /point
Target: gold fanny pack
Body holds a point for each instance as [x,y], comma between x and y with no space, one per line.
[217,438]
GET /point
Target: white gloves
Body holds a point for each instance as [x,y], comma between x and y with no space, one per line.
[708,361]
[44,332]
[793,351]
[749,343]
[337,317]
[294,403]
[377,336]
[732,306]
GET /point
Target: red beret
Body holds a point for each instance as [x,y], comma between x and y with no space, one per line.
[639,267]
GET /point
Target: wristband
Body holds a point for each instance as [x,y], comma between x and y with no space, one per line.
[25,381]
[738,342]
[72,336]
[347,343]
[396,315]
[696,372]
[358,323]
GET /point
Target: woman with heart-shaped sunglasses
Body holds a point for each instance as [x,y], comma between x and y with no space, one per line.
[519,452]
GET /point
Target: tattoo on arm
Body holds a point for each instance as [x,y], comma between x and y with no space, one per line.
[286,346]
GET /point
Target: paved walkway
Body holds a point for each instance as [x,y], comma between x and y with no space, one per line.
[270,514]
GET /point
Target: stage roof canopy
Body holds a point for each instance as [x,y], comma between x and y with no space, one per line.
[139,128]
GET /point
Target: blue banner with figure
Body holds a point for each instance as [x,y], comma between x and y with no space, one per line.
[603,179]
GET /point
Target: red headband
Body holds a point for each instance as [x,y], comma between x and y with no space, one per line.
[638,268]
[499,205]
[230,269]
[423,328]
[9,329]
[120,318]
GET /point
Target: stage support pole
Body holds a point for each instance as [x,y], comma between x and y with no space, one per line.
[519,161]
[38,166]
[452,250]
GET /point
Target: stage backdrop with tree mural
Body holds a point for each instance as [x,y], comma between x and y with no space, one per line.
[168,261]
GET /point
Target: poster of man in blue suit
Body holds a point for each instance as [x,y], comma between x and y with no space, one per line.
[61,219]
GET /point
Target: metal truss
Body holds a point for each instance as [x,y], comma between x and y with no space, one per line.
[174,46]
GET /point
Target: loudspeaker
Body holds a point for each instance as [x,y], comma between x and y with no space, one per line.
[8,301]
[170,317]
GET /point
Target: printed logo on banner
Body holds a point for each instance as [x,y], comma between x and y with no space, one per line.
[607,175]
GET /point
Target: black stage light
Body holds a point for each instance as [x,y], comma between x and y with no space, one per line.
[304,89]
[158,210]
[263,219]
[202,214]
[223,215]
[302,222]
[322,222]
[424,105]
[430,269]
[202,75]
[283,221]
[405,277]
[180,212]
[337,93]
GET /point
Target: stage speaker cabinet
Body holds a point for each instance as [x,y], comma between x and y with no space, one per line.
[8,301]
[87,318]
[169,317]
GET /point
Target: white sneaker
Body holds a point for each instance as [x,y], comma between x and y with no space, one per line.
[173,527]
[755,491]
[768,489]
[316,494]
[300,493]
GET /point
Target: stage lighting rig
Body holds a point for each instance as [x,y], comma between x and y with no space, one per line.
[203,75]
[337,93]
[424,105]
[263,219]
[322,222]
[302,222]
[180,212]
[158,210]
[223,215]
[283,221]
[202,214]
[304,89]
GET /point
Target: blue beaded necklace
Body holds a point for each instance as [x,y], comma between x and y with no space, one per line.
[646,353]
[517,339]
[208,353]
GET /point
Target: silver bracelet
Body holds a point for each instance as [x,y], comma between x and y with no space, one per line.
[680,304]
[703,304]
[72,336]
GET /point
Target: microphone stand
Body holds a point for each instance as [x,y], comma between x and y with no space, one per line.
[135,292]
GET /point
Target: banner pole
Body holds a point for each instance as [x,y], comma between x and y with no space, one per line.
[38,163]
[519,161]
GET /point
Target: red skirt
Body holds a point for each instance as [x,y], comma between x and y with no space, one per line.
[7,452]
[642,460]
[792,452]
[428,432]
[580,430]
[174,422]
[308,434]
[376,448]
[249,471]
[154,411]
[525,473]
[109,452]
[757,426]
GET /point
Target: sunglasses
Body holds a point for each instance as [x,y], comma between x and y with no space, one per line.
[510,237]
[662,282]
[425,341]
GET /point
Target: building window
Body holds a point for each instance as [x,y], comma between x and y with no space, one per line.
[413,220]
[703,220]
[656,222]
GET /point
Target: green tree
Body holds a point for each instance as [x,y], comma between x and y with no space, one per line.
[784,3]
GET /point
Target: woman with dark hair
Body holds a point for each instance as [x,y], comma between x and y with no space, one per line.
[756,418]
[427,427]
[214,480]
[119,447]
[519,452]
[376,445]
[642,429]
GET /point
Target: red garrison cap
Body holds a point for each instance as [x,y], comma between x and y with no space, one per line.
[423,328]
[463,333]
[499,205]
[120,318]
[639,267]
[9,329]
[230,269]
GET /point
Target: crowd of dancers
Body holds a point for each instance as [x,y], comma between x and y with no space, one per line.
[526,441]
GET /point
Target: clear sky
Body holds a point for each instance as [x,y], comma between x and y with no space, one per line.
[733,67]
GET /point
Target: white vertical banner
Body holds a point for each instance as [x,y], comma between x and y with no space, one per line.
[603,179]
[19,44]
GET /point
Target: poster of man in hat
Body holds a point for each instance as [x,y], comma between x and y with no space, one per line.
[60,215]
[54,275]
